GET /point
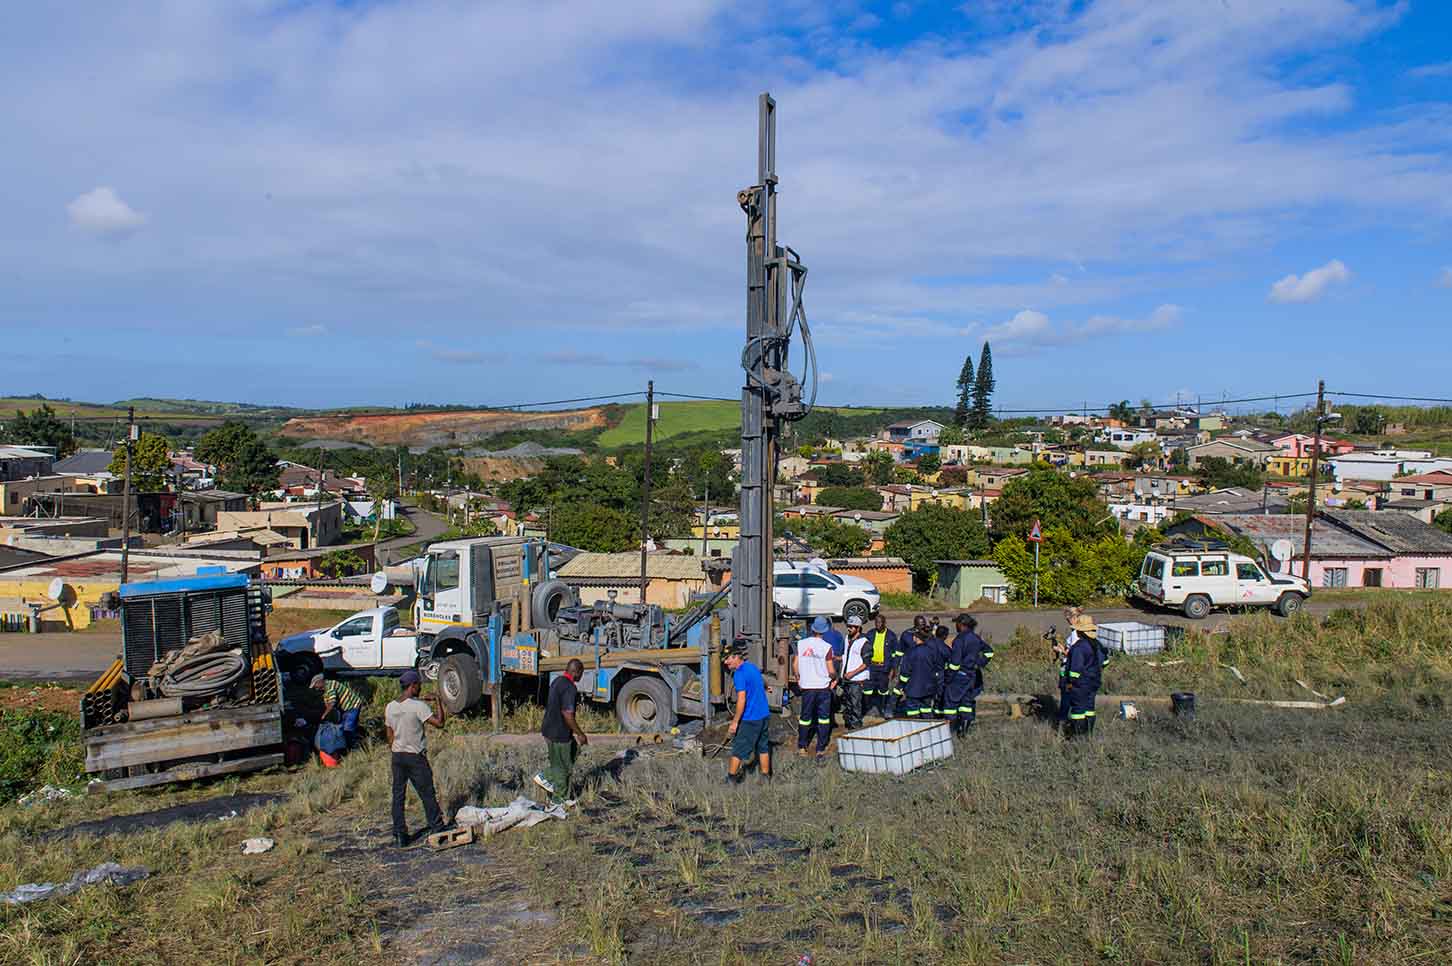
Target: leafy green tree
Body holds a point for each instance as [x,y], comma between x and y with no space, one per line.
[929,463]
[967,384]
[953,476]
[839,474]
[1072,570]
[952,436]
[1122,411]
[934,532]
[244,463]
[593,527]
[983,391]
[1444,520]
[1368,421]
[1054,499]
[878,467]
[382,481]
[1144,454]
[831,537]
[1217,472]
[850,498]
[150,463]
[39,427]
[342,563]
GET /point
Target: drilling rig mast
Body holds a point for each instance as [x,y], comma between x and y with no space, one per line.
[771,397]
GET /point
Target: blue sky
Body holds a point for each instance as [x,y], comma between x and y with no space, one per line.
[374,203]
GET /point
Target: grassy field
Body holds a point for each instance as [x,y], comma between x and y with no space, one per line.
[683,418]
[1247,835]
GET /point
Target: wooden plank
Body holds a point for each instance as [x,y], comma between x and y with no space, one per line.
[184,739]
[644,655]
[250,712]
[190,772]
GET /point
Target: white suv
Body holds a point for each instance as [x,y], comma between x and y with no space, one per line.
[811,590]
[1198,578]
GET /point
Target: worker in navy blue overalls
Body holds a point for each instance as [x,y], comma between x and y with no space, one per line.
[964,677]
[905,641]
[1083,669]
[1061,654]
[919,676]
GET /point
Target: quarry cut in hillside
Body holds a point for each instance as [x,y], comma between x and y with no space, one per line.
[454,428]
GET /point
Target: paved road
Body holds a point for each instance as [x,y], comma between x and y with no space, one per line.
[427,526]
[82,657]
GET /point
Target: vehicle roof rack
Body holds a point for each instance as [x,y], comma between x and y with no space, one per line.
[1192,544]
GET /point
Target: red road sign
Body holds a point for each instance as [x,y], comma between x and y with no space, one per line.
[1036,535]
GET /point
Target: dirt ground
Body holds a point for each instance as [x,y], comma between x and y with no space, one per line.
[40,697]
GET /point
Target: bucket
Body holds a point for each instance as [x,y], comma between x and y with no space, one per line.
[1183,703]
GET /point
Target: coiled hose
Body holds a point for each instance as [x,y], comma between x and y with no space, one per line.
[203,675]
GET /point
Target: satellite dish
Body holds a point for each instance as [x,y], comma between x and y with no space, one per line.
[56,590]
[379,583]
[1282,549]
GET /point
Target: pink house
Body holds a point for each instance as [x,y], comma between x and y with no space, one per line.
[1349,548]
[1301,445]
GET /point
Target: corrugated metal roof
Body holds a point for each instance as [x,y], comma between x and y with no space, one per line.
[84,461]
[624,565]
[1327,539]
[1398,532]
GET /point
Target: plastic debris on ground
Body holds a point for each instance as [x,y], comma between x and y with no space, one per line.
[520,813]
[257,846]
[46,793]
[106,872]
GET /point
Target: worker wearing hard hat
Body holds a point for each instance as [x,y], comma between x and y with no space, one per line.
[815,667]
[854,674]
[1083,676]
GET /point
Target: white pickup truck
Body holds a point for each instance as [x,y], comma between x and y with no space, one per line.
[1196,580]
[368,642]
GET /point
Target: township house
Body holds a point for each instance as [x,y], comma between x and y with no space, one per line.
[1349,548]
[913,430]
[1236,449]
[1424,495]
[1301,445]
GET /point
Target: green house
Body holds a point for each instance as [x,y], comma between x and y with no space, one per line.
[962,582]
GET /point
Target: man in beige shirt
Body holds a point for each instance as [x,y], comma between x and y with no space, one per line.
[405,719]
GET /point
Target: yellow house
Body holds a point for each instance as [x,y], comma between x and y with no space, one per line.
[1283,465]
[948,498]
[723,531]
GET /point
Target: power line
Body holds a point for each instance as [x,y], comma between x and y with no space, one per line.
[1377,395]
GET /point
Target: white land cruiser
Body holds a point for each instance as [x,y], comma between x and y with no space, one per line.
[1198,578]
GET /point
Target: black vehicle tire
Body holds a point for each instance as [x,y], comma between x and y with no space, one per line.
[644,705]
[460,682]
[857,608]
[303,667]
[548,598]
[1197,607]
[1290,603]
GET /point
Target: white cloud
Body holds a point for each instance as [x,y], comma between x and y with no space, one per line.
[1443,69]
[1312,285]
[1444,279]
[308,331]
[458,357]
[102,212]
[825,377]
[1030,330]
[600,360]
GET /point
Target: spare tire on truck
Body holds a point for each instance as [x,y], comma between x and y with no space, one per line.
[548,598]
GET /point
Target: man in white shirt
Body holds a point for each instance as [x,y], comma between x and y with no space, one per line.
[815,668]
[405,719]
[855,674]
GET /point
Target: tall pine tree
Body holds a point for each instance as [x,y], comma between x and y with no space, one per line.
[967,379]
[983,390]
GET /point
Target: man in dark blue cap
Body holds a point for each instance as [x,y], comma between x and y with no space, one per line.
[815,667]
[405,720]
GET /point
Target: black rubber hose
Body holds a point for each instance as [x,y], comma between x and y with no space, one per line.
[203,675]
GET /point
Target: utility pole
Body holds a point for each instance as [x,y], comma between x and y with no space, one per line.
[1315,469]
[705,517]
[645,488]
[320,486]
[126,495]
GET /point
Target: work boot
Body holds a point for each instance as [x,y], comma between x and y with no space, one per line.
[731,781]
[400,839]
[763,778]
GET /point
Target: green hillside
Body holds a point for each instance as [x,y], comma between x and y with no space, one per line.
[676,418]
